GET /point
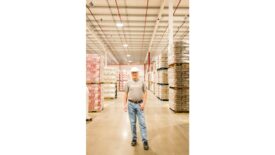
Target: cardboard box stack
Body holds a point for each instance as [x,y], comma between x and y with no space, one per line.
[178,75]
[94,65]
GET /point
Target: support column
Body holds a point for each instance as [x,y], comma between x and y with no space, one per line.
[106,59]
[170,27]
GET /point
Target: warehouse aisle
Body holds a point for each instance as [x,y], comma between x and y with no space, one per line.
[109,132]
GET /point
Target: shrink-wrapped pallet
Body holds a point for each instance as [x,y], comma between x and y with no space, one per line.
[110,75]
[163,76]
[95,98]
[178,75]
[109,90]
[156,89]
[122,85]
[179,100]
[94,66]
[163,92]
[123,78]
[162,60]
[179,54]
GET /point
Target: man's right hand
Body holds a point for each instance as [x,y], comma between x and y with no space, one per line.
[125,108]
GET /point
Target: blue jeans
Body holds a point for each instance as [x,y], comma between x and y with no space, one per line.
[135,110]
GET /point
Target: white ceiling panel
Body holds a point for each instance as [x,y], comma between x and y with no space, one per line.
[137,28]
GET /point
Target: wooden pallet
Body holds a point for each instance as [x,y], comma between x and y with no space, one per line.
[89,119]
[178,64]
[179,111]
[179,87]
[109,98]
[163,84]
[163,99]
[96,111]
[162,68]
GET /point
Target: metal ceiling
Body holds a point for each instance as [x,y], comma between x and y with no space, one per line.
[139,18]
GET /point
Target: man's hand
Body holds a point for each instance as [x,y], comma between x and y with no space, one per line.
[125,108]
[142,105]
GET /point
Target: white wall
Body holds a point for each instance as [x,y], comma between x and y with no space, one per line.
[128,68]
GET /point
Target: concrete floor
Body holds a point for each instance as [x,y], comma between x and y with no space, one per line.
[109,132]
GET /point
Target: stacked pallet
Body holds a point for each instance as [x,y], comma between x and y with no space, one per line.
[180,53]
[123,78]
[109,82]
[94,65]
[178,61]
[109,91]
[162,61]
[163,92]
[162,70]
[95,98]
[163,76]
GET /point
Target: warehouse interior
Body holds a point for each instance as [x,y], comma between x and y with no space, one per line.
[152,35]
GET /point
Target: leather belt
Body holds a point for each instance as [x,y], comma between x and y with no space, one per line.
[136,101]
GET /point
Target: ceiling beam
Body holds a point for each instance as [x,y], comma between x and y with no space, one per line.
[134,21]
[136,15]
[103,47]
[134,7]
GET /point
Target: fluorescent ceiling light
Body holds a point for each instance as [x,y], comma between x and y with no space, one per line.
[128,55]
[125,45]
[119,24]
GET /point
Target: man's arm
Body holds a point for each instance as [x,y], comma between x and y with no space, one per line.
[144,98]
[125,103]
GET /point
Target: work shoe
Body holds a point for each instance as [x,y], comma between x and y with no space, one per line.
[134,142]
[145,145]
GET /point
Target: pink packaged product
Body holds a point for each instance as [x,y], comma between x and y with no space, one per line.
[95,102]
[93,66]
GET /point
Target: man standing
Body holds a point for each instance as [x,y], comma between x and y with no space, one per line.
[134,101]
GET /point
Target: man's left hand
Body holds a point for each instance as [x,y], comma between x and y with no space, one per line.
[142,105]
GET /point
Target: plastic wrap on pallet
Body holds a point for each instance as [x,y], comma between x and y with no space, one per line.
[156,89]
[163,76]
[110,75]
[94,66]
[156,77]
[123,78]
[179,100]
[162,60]
[109,90]
[95,98]
[178,75]
[180,53]
[163,92]
[122,85]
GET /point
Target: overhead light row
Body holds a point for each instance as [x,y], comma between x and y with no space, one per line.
[119,25]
